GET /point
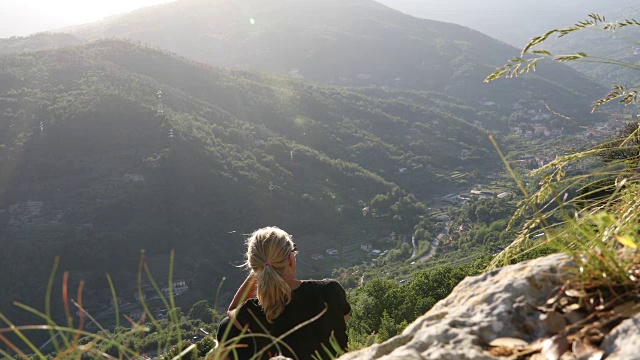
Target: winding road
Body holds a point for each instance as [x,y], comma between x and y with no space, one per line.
[415,246]
[434,244]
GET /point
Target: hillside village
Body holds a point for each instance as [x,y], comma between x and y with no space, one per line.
[131,305]
[38,215]
[538,134]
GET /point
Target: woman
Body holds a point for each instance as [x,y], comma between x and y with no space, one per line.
[306,314]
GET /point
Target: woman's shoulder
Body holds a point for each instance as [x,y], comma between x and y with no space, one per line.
[249,314]
[323,282]
[249,309]
[251,305]
[331,292]
[323,285]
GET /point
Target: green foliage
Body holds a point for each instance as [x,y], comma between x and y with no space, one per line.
[201,311]
[84,336]
[591,216]
[382,308]
[389,328]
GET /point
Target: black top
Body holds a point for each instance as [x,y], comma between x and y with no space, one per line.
[309,300]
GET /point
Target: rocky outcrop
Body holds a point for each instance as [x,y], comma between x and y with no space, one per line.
[623,342]
[498,304]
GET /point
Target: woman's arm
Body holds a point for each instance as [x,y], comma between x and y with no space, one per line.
[245,291]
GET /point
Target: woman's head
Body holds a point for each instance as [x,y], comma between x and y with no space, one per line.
[271,257]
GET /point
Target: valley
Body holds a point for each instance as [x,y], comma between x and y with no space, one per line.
[180,128]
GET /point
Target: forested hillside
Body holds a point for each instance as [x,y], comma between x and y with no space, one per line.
[347,43]
[110,147]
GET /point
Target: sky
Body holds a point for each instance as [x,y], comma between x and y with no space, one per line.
[24,17]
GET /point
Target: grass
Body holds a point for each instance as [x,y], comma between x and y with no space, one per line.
[74,340]
[595,222]
[592,216]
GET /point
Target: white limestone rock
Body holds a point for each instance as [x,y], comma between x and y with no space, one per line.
[501,303]
[623,343]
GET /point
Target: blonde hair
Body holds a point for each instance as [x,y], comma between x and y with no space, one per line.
[267,257]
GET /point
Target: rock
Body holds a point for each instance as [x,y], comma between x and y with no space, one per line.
[624,341]
[585,351]
[500,303]
[555,347]
[575,316]
[567,356]
[554,322]
[505,303]
[509,342]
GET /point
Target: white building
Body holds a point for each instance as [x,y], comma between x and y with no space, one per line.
[332,252]
[177,287]
[133,177]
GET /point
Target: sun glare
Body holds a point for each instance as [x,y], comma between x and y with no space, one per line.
[43,15]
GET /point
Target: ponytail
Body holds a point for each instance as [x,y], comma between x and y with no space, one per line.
[268,256]
[273,292]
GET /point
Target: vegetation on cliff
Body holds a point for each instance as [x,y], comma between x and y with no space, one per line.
[592,216]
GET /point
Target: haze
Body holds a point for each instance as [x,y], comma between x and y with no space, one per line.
[20,18]
[512,21]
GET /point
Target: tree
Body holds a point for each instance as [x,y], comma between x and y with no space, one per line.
[201,311]
[436,283]
[483,213]
[389,327]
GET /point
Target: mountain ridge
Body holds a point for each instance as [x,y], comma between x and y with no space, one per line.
[354,43]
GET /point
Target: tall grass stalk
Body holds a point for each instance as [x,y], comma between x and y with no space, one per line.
[78,341]
[600,233]
[594,215]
